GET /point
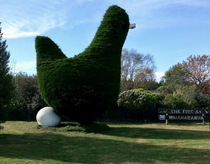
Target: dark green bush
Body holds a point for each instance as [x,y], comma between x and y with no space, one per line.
[172,101]
[202,100]
[82,87]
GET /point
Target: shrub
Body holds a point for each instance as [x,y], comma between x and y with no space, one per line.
[138,99]
[131,99]
[183,97]
[175,101]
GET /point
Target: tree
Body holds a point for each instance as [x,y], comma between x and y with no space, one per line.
[27,94]
[176,75]
[27,100]
[6,85]
[145,78]
[136,69]
[199,72]
[187,84]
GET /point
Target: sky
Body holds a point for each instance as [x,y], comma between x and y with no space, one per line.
[169,30]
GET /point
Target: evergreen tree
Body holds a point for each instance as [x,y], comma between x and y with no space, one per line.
[6,85]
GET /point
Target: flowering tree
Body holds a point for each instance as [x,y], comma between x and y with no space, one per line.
[199,72]
[187,84]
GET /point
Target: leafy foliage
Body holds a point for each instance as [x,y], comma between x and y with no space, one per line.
[138,99]
[202,100]
[131,99]
[82,87]
[6,85]
[177,74]
[183,97]
[187,85]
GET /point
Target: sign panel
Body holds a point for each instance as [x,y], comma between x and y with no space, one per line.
[181,117]
[184,111]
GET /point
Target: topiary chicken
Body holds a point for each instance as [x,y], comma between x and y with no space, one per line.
[82,87]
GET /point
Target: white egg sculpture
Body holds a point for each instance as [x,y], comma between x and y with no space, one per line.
[46,117]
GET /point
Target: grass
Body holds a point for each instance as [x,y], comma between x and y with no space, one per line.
[183,143]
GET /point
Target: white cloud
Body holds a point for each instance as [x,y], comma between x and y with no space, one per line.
[159,75]
[31,17]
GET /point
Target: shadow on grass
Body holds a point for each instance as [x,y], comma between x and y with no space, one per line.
[75,127]
[87,149]
[154,133]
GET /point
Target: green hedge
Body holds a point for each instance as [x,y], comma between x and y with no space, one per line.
[139,99]
[82,87]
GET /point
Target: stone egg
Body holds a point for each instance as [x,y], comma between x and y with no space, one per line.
[46,117]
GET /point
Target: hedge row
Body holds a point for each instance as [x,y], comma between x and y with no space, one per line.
[23,114]
[133,106]
[114,115]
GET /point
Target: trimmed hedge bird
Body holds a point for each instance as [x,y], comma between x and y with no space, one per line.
[82,87]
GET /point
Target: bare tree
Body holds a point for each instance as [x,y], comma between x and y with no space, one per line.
[145,78]
[135,67]
[144,74]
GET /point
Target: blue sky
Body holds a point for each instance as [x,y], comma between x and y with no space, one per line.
[170,30]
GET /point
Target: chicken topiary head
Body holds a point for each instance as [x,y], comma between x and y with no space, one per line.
[82,87]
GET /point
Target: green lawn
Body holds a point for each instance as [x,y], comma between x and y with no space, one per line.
[24,143]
